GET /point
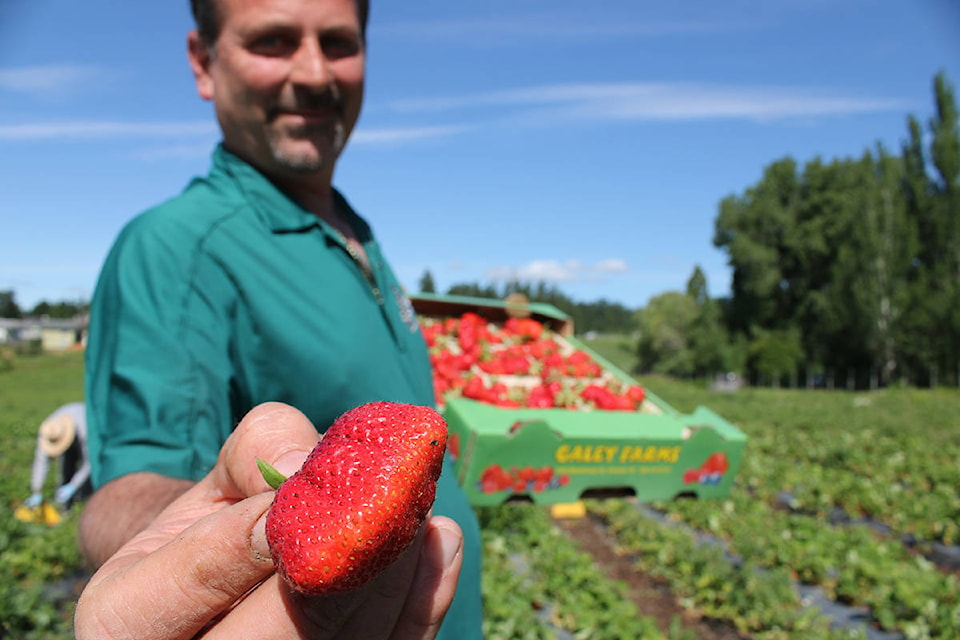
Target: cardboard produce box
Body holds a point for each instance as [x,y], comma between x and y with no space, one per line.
[610,437]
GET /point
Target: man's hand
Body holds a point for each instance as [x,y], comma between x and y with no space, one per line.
[203,565]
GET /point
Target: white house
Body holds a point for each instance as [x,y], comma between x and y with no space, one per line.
[54,334]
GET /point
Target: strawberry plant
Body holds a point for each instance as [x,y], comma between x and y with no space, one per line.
[39,564]
[831,487]
[549,584]
[33,558]
[760,603]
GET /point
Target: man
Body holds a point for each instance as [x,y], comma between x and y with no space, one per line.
[257,284]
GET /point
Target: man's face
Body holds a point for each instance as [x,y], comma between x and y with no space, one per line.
[286,79]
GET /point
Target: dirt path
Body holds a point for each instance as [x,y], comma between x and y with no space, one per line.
[652,596]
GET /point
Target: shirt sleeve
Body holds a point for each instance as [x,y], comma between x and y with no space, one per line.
[79,412]
[38,473]
[158,378]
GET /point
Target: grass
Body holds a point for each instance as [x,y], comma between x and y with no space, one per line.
[618,350]
[34,557]
[890,454]
[888,458]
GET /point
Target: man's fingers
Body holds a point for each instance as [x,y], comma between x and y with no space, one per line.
[274,612]
[369,612]
[277,433]
[386,595]
[434,583]
[205,559]
[184,584]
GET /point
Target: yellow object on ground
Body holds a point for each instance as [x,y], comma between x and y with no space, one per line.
[568,510]
[44,514]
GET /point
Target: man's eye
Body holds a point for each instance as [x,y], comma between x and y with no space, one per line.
[271,45]
[340,46]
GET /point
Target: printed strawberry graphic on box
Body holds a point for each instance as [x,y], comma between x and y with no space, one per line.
[710,472]
[453,445]
[517,480]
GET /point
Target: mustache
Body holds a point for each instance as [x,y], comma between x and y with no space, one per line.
[327,99]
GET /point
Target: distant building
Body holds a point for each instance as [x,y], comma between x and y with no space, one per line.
[53,334]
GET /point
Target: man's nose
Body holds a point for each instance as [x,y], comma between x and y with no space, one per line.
[309,65]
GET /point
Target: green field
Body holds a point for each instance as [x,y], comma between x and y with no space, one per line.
[619,350]
[35,597]
[851,493]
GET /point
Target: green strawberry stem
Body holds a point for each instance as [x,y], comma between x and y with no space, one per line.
[273,477]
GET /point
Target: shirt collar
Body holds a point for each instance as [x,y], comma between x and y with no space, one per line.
[278,211]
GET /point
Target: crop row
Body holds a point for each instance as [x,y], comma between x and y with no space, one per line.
[853,565]
[760,602]
[33,558]
[907,480]
[889,456]
[539,585]
[885,459]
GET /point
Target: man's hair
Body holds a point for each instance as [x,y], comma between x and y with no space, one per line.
[207,18]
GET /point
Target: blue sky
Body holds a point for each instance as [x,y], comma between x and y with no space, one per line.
[587,144]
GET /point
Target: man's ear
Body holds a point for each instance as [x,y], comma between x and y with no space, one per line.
[200,56]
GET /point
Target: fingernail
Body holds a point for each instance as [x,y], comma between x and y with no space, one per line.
[290,462]
[451,544]
[258,539]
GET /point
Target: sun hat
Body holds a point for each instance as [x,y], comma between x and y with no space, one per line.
[56,435]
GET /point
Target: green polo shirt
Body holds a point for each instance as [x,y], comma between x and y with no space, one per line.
[230,295]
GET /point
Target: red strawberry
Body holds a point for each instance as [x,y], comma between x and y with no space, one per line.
[545,474]
[636,393]
[716,463]
[359,499]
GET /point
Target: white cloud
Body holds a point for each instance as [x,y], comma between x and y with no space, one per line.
[92,129]
[523,29]
[659,101]
[85,130]
[455,265]
[187,151]
[612,265]
[53,79]
[558,271]
[403,134]
[533,106]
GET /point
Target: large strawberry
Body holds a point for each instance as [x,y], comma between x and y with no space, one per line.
[359,499]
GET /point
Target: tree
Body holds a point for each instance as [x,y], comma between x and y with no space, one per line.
[709,343]
[664,345]
[897,250]
[945,157]
[916,347]
[836,253]
[62,309]
[426,283]
[930,335]
[775,354]
[473,290]
[853,327]
[752,229]
[8,305]
[945,146]
[697,286]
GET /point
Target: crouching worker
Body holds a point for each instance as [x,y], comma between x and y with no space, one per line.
[62,437]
